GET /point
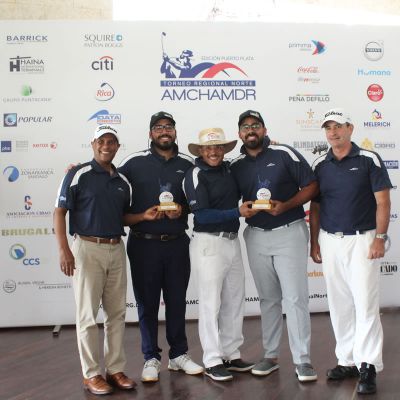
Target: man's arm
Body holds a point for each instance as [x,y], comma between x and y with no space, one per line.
[67,261]
[150,214]
[377,248]
[315,251]
[304,195]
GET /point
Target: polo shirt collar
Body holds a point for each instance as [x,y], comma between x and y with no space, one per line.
[156,154]
[98,168]
[354,152]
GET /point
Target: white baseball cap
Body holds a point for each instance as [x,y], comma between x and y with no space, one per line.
[338,115]
[102,130]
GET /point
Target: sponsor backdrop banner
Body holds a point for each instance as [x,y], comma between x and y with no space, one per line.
[60,79]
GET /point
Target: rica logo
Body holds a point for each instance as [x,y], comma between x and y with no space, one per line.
[11,173]
[105,92]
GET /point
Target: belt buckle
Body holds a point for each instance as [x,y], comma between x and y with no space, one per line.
[231,235]
[113,240]
[164,238]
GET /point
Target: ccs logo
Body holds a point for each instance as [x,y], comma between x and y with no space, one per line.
[18,252]
[375,92]
[11,173]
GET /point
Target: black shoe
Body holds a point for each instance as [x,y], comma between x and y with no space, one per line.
[367,382]
[238,365]
[341,372]
[219,373]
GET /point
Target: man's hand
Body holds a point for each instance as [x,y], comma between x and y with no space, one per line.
[67,261]
[152,214]
[377,249]
[278,207]
[246,210]
[174,214]
[315,253]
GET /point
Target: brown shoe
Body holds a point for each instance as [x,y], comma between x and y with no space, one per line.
[97,385]
[121,381]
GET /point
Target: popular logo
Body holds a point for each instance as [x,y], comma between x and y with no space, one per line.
[373,51]
[375,92]
[207,80]
[11,173]
[10,119]
[105,92]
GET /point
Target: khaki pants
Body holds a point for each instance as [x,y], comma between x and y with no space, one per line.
[100,277]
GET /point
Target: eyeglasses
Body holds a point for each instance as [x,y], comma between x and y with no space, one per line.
[247,127]
[160,128]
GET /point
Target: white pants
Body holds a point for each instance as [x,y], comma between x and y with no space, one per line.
[100,276]
[352,282]
[218,267]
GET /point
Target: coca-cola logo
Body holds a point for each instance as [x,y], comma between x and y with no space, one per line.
[375,92]
[308,70]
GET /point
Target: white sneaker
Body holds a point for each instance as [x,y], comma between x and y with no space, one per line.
[185,363]
[151,369]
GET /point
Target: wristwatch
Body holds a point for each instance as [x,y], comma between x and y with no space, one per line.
[383,236]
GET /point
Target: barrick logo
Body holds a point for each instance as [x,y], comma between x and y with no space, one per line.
[21,39]
[375,92]
[373,51]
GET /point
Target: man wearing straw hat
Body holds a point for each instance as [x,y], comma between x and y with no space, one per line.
[215,254]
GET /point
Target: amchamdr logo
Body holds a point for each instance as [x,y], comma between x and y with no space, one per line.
[11,173]
[9,120]
[373,51]
[215,78]
[17,251]
[375,92]
[103,40]
[104,117]
[105,63]
[314,46]
[105,92]
[376,121]
[27,65]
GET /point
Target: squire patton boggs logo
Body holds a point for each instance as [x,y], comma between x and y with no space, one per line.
[211,81]
[104,117]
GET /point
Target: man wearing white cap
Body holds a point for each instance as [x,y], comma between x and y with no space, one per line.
[97,198]
[215,254]
[348,223]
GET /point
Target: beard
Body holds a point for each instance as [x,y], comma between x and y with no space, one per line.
[253,144]
[164,145]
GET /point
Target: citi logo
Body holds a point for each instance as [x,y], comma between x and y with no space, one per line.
[105,63]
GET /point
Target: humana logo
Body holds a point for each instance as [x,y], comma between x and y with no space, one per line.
[373,72]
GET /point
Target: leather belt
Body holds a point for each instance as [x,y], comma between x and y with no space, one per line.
[151,236]
[350,233]
[99,240]
[278,227]
[227,235]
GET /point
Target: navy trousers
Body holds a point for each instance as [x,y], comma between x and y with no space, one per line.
[160,266]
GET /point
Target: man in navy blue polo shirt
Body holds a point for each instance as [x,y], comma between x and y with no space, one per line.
[215,254]
[277,240]
[349,222]
[158,250]
[97,197]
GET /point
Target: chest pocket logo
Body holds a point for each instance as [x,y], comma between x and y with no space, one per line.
[353,169]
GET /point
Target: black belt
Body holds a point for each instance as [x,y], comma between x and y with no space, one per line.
[163,237]
[227,235]
[349,233]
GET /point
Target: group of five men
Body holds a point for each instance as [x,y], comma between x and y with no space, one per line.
[154,190]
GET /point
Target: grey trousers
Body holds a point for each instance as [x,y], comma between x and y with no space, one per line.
[278,262]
